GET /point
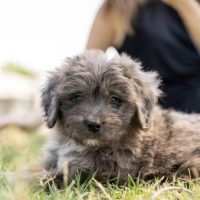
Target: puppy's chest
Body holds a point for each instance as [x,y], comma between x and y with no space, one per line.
[115,161]
[105,160]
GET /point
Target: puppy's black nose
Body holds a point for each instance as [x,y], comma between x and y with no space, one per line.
[92,126]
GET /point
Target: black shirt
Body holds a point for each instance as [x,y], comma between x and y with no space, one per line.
[162,43]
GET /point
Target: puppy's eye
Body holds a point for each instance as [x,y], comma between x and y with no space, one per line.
[115,101]
[75,98]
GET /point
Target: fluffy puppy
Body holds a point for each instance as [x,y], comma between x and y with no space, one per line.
[105,120]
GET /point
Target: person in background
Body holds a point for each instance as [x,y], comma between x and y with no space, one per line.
[164,36]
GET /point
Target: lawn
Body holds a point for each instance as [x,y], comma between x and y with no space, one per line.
[18,148]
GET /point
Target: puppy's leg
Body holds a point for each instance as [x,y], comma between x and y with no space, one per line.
[190,168]
[150,173]
[68,174]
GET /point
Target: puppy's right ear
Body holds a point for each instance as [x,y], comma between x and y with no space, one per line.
[50,103]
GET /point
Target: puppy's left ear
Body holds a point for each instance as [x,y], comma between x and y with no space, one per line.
[144,105]
[144,92]
[147,94]
[50,102]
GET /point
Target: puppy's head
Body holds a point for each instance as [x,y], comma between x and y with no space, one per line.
[96,101]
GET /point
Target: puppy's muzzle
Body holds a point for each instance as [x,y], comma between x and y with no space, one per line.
[92,126]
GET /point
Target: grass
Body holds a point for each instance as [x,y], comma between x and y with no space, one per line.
[17,148]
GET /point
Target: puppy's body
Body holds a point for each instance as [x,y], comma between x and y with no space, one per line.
[106,121]
[170,146]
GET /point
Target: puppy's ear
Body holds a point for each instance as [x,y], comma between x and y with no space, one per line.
[50,103]
[147,94]
[144,91]
[143,113]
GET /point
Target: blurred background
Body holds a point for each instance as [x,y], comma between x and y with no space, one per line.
[35,37]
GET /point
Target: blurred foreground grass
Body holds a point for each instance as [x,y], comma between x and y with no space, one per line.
[18,148]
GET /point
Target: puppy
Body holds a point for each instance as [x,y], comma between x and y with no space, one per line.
[105,120]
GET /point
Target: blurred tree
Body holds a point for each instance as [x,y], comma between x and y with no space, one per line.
[19,88]
[12,67]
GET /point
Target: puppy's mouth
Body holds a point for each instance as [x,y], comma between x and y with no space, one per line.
[91,142]
[94,136]
[87,138]
[92,139]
